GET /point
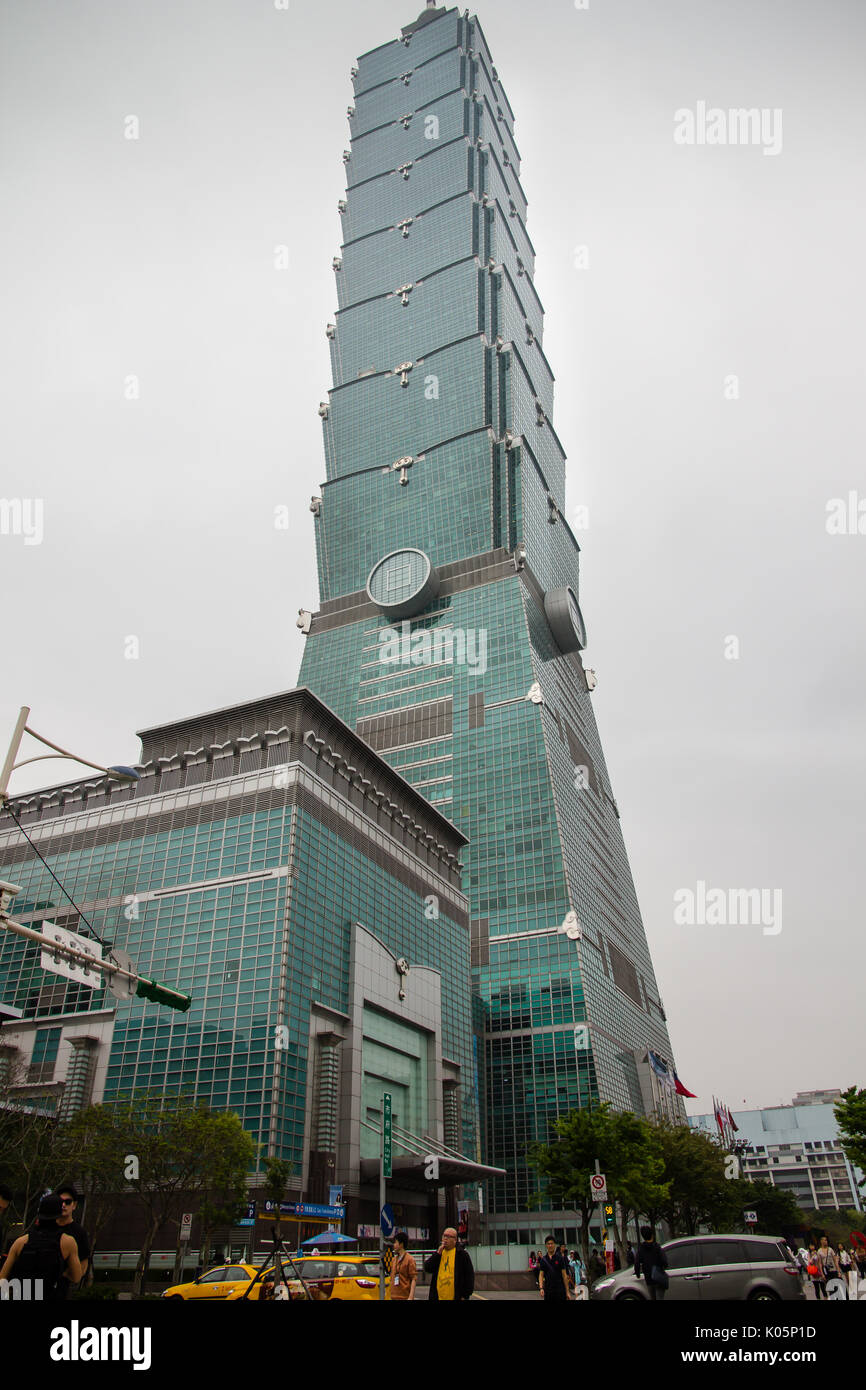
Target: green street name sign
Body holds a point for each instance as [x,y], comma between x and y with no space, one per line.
[386,1135]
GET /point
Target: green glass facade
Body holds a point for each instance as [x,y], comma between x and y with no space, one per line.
[236,871]
[439,438]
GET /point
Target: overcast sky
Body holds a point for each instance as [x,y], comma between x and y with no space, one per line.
[154,258]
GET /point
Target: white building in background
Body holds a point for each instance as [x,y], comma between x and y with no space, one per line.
[797,1147]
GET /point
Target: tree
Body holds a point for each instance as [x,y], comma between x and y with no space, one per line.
[833,1223]
[27,1137]
[220,1208]
[626,1151]
[694,1169]
[91,1146]
[776,1209]
[180,1148]
[850,1112]
[277,1174]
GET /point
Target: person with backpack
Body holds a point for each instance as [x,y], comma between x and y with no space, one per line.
[651,1261]
[45,1253]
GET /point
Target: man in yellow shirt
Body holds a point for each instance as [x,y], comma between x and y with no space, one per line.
[452,1274]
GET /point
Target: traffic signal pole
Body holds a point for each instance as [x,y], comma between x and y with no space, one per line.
[145,988]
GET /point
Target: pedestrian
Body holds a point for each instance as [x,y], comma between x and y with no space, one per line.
[815,1271]
[45,1252]
[553,1281]
[404,1271]
[596,1265]
[652,1262]
[453,1276]
[845,1263]
[827,1257]
[563,1250]
[69,1200]
[533,1267]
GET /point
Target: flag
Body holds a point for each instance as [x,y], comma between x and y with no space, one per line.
[660,1069]
[717,1111]
[734,1127]
[680,1088]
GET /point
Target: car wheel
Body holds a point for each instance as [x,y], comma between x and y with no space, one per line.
[764,1296]
[629,1298]
[175,1298]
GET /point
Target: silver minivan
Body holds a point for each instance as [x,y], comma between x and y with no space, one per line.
[713,1268]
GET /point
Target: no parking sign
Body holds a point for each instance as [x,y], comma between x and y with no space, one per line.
[598,1187]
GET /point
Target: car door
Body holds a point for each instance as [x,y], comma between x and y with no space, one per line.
[210,1285]
[725,1269]
[684,1270]
[235,1278]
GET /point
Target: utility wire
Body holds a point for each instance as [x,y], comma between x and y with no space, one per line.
[41,856]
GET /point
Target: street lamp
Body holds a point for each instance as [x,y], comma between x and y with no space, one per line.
[126,775]
[122,977]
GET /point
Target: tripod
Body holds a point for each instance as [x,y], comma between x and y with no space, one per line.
[280,1282]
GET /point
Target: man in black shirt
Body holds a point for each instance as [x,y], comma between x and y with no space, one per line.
[553,1275]
[651,1260]
[70,1227]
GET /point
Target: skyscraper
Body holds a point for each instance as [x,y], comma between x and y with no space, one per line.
[449,634]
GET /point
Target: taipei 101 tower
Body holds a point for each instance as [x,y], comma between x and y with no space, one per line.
[449,633]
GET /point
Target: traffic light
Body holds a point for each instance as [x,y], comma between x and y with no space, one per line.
[161,994]
[608,1214]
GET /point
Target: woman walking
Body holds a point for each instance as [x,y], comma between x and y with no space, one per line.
[845,1263]
[815,1271]
[829,1262]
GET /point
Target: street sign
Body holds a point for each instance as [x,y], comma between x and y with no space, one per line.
[60,965]
[386,1134]
[185,1226]
[120,986]
[250,1218]
[302,1209]
[388,1221]
[598,1187]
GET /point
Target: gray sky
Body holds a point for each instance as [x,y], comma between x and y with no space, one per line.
[154,258]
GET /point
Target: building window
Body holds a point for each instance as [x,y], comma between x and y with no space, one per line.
[44,1054]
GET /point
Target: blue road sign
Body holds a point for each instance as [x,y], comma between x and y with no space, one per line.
[388,1221]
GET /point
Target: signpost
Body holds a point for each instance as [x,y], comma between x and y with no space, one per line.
[384,1174]
[300,1210]
[61,964]
[81,959]
[598,1187]
[386,1133]
[122,986]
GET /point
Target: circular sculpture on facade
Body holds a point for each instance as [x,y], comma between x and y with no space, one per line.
[403,583]
[565,619]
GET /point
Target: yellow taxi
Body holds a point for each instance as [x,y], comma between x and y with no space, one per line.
[342,1278]
[328,1279]
[221,1282]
